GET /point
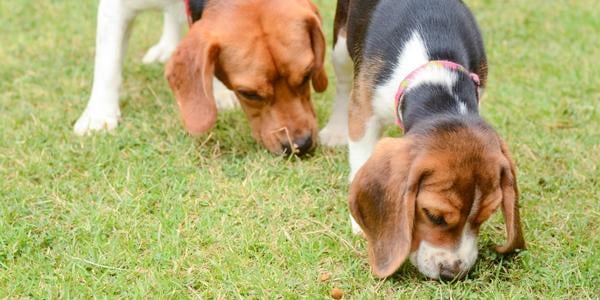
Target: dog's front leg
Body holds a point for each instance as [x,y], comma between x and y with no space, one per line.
[173,21]
[335,132]
[365,131]
[102,111]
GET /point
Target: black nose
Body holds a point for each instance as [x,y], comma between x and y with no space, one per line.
[301,146]
[451,271]
[447,274]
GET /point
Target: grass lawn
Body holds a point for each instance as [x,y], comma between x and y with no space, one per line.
[147,211]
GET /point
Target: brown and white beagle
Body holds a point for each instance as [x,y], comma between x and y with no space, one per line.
[425,196]
[267,52]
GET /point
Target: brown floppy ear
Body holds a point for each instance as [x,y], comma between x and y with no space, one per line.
[317,38]
[510,206]
[382,201]
[190,75]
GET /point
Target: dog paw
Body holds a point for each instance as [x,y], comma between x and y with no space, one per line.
[333,136]
[160,52]
[96,120]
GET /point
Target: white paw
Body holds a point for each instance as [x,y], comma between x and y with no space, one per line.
[224,98]
[94,119]
[333,135]
[159,53]
[356,230]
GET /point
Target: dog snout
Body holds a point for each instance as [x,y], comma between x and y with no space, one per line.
[300,147]
[451,271]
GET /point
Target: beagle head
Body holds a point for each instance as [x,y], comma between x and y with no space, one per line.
[426,195]
[267,52]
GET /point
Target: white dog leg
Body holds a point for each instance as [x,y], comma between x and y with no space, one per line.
[359,152]
[102,111]
[173,22]
[335,132]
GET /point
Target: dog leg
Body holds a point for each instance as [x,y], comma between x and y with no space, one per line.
[225,99]
[335,132]
[173,21]
[102,111]
[359,152]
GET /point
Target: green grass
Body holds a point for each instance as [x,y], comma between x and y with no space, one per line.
[147,211]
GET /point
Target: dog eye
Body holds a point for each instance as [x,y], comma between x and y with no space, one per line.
[250,95]
[437,220]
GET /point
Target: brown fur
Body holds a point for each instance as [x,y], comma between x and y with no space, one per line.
[361,106]
[258,46]
[437,172]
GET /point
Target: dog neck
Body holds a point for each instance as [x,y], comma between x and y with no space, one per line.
[435,92]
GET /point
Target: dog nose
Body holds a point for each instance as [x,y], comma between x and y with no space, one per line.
[450,271]
[301,147]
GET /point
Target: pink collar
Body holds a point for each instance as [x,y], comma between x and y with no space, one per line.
[444,64]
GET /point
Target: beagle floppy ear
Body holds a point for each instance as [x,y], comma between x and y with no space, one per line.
[510,206]
[317,38]
[190,75]
[382,201]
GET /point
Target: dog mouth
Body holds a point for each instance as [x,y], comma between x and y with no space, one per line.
[302,146]
[435,269]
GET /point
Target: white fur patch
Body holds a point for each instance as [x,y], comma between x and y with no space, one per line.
[360,151]
[437,76]
[462,108]
[412,56]
[428,258]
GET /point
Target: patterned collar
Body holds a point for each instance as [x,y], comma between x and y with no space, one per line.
[437,64]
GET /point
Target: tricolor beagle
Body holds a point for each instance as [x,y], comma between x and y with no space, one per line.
[422,64]
[267,52]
